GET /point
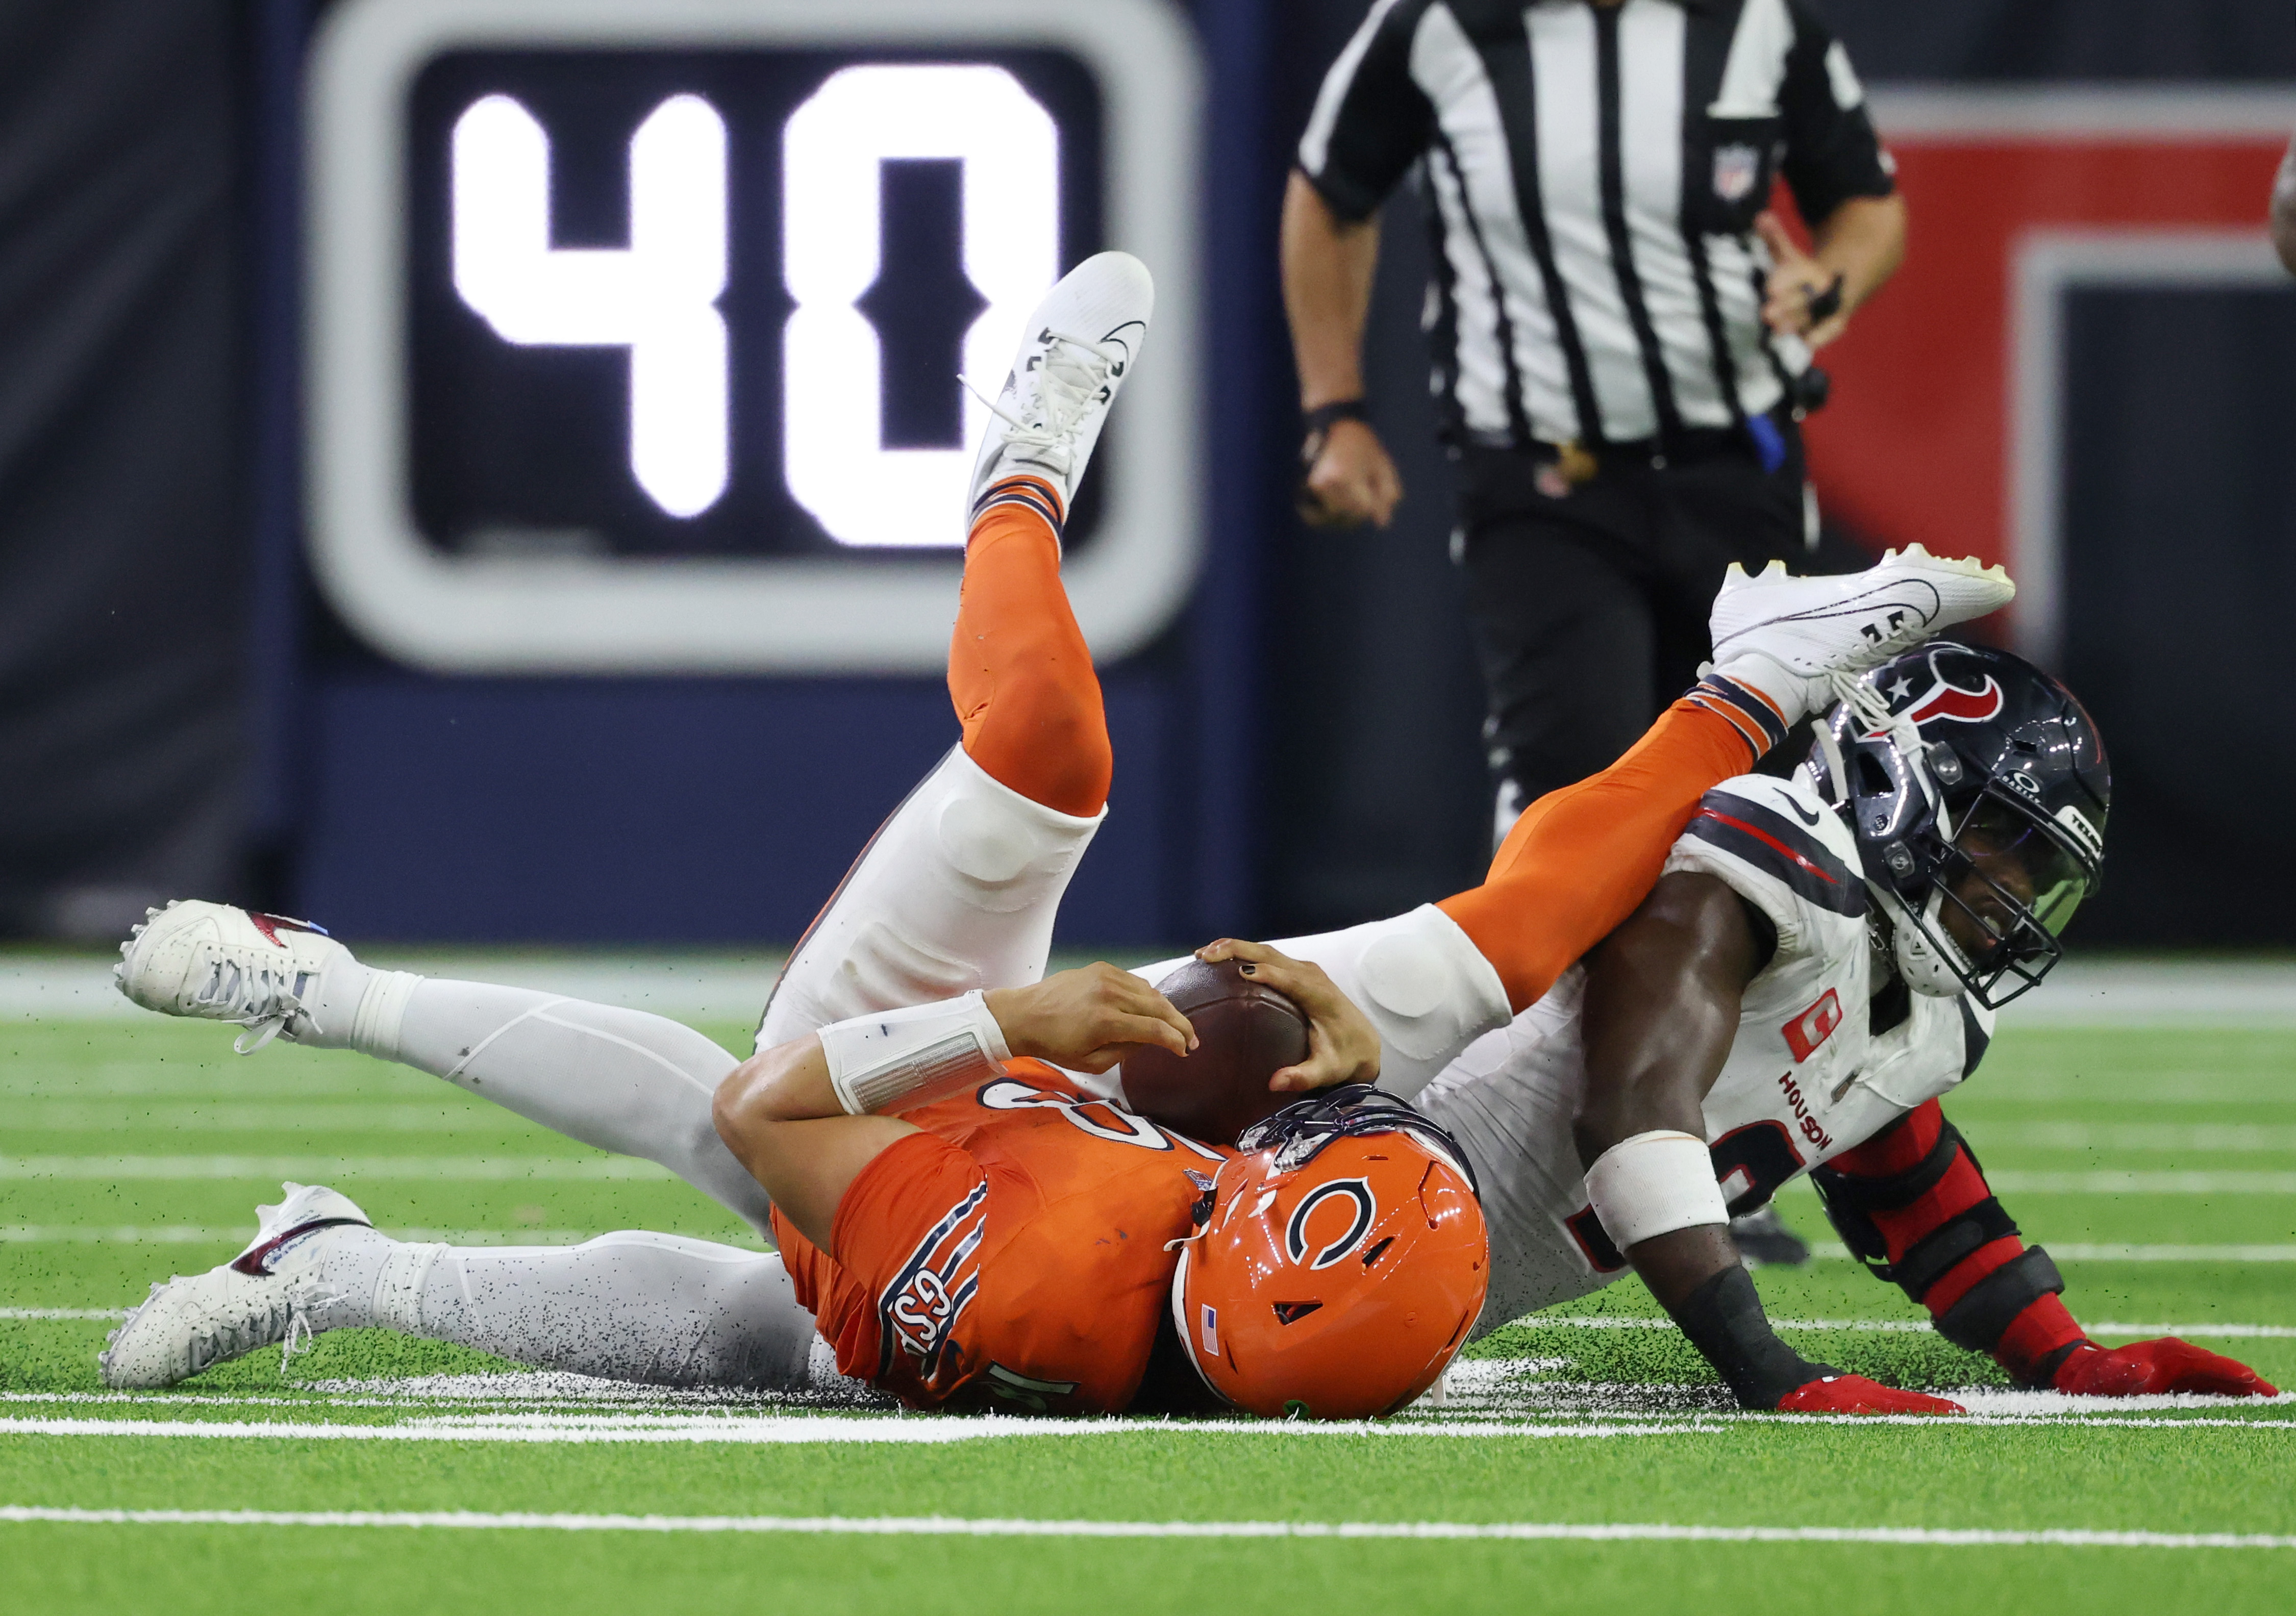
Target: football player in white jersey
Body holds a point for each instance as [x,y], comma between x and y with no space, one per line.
[956,892]
[1819,963]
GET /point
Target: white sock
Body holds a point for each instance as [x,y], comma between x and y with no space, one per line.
[624,1080]
[333,1272]
[353,1006]
[662,1308]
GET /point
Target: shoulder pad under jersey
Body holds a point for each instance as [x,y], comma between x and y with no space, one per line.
[1783,851]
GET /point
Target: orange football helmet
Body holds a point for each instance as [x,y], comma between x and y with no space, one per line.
[1342,1260]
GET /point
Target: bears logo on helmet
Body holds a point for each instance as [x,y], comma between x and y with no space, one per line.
[1342,1260]
[1977,791]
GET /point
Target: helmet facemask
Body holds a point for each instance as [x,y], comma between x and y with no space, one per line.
[1999,895]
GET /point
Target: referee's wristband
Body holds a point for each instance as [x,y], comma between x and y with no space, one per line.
[1825,305]
[1317,424]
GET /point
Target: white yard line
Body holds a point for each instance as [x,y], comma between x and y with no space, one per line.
[64,1312]
[948,1526]
[187,1234]
[774,1430]
[315,1169]
[2196,1139]
[2270,1331]
[302,1117]
[2077,1251]
[2021,1182]
[1909,1326]
[709,986]
[685,986]
[318,1169]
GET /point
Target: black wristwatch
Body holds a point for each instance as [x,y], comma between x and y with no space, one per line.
[1823,305]
[1318,423]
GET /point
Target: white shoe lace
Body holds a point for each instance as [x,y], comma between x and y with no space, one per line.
[300,1337]
[1068,383]
[1872,711]
[267,1000]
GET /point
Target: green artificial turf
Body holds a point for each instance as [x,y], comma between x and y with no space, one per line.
[93,1237]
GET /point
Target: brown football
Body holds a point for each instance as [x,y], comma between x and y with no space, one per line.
[1246,1033]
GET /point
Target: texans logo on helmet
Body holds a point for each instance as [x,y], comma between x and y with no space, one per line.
[1946,700]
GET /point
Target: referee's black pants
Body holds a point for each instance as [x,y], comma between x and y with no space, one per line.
[1588,604]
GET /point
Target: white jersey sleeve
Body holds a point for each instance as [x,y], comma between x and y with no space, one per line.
[1787,853]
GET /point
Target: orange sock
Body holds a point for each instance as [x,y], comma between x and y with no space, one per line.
[1018,668]
[1580,859]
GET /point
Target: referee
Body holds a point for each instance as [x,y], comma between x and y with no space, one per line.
[1621,333]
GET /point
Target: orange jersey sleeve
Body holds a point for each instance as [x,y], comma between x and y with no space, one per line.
[1011,1254]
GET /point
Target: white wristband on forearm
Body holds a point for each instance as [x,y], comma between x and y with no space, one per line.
[873,1060]
[1654,1183]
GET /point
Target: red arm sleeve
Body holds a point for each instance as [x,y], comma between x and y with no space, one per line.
[1912,1202]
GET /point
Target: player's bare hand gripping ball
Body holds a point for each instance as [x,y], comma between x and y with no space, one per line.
[1085,1019]
[1342,1045]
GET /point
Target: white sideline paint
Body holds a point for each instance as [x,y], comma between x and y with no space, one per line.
[315,1169]
[64,1312]
[1913,1326]
[2075,1252]
[774,1430]
[185,1234]
[2146,1139]
[448,1113]
[684,987]
[329,1170]
[948,1526]
[2017,1182]
[2161,992]
[696,987]
[2269,1331]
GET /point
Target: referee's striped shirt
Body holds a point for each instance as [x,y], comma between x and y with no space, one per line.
[1595,172]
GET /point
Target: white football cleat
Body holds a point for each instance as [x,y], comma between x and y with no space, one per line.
[225,964]
[1814,629]
[1083,341]
[186,1326]
[1854,621]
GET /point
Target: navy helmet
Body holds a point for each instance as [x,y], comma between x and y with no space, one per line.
[1299,1132]
[1977,788]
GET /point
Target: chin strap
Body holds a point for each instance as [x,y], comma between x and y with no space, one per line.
[1912,1204]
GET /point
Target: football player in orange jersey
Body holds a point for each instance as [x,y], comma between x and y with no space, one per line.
[995,1234]
[897,1003]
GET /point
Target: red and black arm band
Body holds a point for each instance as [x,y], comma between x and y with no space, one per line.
[1912,1204]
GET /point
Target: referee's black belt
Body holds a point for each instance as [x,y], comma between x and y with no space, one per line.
[1687,446]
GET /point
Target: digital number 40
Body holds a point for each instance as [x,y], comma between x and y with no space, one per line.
[657,297]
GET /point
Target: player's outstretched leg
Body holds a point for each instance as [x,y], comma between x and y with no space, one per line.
[1580,859]
[659,1308]
[622,1080]
[959,890]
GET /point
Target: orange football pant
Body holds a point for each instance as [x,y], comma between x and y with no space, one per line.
[1580,859]
[1019,671]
